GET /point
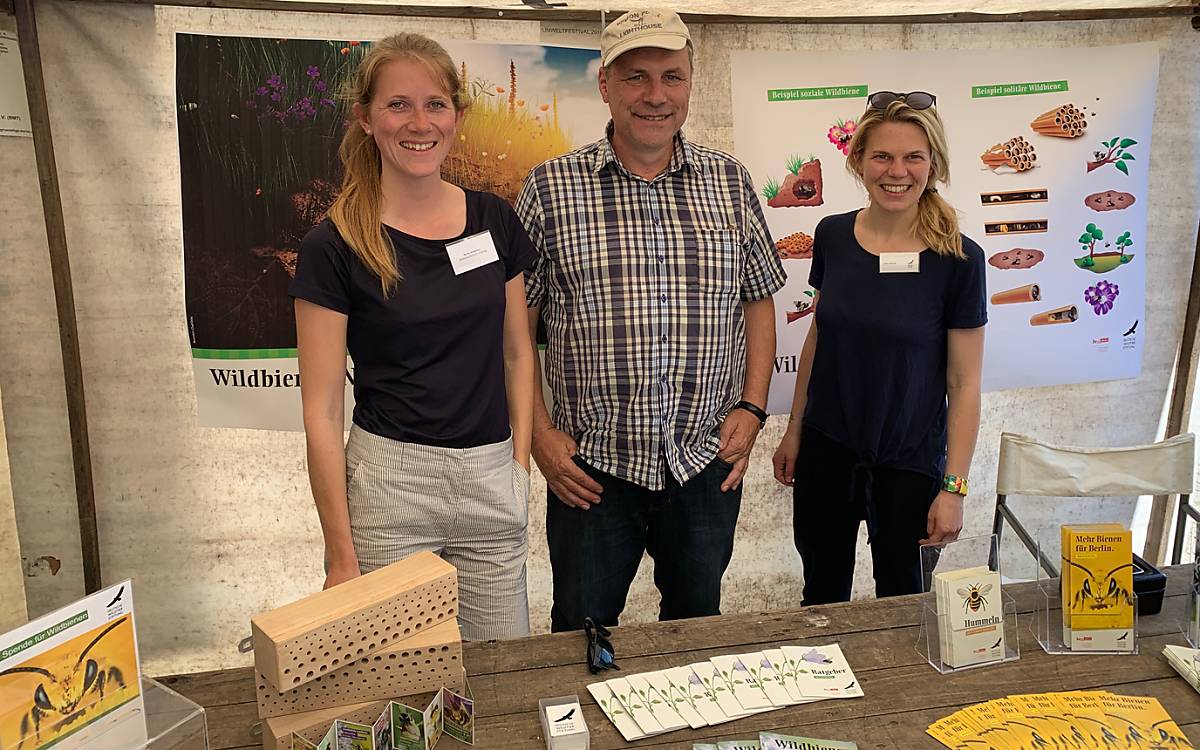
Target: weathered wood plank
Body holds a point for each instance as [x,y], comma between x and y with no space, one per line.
[723,634]
[506,713]
[903,693]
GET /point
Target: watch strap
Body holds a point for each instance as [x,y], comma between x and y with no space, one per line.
[756,411]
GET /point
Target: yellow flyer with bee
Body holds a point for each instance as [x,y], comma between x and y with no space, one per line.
[1098,584]
[71,679]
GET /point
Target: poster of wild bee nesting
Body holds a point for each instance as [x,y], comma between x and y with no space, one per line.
[259,124]
[1049,155]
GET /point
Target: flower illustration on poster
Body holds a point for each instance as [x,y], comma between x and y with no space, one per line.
[1101,297]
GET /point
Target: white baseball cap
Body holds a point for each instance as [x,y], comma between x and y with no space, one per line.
[642,28]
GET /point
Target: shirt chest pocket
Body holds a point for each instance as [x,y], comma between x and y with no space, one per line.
[714,262]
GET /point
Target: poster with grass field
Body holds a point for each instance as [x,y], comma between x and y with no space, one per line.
[259,123]
[1049,155]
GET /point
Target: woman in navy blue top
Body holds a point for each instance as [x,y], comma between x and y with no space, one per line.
[421,282]
[886,408]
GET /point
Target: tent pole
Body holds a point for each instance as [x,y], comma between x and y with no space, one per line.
[1177,414]
[64,294]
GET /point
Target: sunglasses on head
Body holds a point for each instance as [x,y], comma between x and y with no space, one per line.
[914,99]
[600,654]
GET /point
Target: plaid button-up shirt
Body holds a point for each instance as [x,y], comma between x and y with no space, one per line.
[640,283]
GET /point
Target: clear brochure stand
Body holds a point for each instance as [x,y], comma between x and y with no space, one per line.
[563,725]
[967,619]
[1192,626]
[1056,637]
[158,719]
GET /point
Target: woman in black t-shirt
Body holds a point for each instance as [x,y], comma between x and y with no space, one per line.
[422,283]
[886,408]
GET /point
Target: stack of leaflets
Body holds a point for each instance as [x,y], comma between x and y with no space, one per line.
[1185,661]
[402,727]
[773,741]
[1080,719]
[970,616]
[1097,587]
[724,688]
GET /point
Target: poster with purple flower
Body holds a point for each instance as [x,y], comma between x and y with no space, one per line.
[259,124]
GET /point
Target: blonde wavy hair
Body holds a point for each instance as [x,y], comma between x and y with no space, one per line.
[358,209]
[937,223]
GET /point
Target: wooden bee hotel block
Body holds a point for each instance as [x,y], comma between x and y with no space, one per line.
[299,642]
[427,661]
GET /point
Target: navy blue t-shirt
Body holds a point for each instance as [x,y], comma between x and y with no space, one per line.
[429,358]
[878,383]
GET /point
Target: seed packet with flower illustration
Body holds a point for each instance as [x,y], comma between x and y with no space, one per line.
[632,702]
[703,746]
[771,681]
[615,712]
[721,692]
[745,684]
[685,680]
[659,706]
[677,697]
[786,672]
[823,672]
[738,745]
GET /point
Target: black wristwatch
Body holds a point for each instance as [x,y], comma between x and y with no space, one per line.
[762,415]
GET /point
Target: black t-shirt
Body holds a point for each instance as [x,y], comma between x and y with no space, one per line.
[878,383]
[429,358]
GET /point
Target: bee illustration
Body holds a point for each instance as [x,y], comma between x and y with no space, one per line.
[1100,592]
[65,699]
[974,597]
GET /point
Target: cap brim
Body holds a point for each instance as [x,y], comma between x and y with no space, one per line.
[659,41]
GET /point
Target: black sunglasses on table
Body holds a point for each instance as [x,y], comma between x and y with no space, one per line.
[914,99]
[600,655]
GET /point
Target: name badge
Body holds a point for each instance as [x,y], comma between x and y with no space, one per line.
[472,252]
[899,262]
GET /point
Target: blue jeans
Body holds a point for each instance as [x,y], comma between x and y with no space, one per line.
[687,529]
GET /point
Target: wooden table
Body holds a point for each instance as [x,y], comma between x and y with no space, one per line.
[903,693]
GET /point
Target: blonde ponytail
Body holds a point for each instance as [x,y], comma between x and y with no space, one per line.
[937,225]
[357,210]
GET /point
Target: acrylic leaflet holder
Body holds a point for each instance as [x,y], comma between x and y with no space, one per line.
[1078,629]
[1192,626]
[562,723]
[156,719]
[967,619]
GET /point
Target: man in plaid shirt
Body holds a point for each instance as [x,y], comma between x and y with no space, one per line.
[654,277]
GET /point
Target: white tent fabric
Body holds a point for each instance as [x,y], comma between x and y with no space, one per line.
[1029,467]
[786,8]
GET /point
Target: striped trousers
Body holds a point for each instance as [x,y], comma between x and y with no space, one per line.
[470,506]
